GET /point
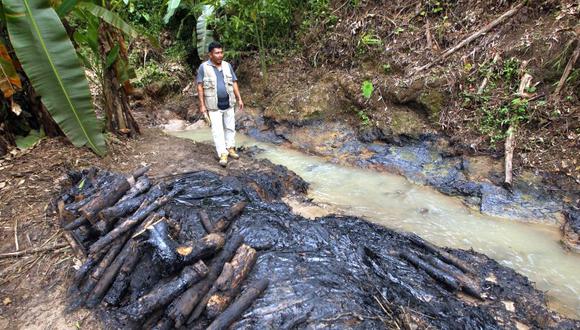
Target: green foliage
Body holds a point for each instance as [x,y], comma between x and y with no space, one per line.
[143,15]
[149,73]
[28,141]
[250,25]
[364,118]
[387,68]
[370,39]
[498,119]
[510,69]
[110,17]
[367,89]
[434,7]
[204,35]
[51,63]
[398,30]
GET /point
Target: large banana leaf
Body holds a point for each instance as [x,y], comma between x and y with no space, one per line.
[109,17]
[9,79]
[171,7]
[65,7]
[50,61]
[204,34]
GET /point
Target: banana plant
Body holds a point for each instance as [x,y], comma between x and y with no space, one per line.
[49,60]
[203,11]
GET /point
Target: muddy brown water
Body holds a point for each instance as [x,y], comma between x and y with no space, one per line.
[390,200]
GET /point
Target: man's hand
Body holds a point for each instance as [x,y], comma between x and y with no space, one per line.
[203,109]
[240,105]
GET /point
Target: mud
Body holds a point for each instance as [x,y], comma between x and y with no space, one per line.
[429,159]
[335,272]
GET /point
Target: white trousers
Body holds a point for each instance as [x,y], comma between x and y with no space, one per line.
[223,130]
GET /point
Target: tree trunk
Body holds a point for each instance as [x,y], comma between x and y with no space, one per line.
[116,103]
[229,283]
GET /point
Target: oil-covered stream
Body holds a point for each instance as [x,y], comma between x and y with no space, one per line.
[392,201]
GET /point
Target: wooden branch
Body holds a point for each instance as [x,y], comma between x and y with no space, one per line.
[235,310]
[101,268]
[229,284]
[467,284]
[205,221]
[164,293]
[132,221]
[472,37]
[119,210]
[225,221]
[180,309]
[440,276]
[117,290]
[443,255]
[91,261]
[31,251]
[568,69]
[78,249]
[175,257]
[109,197]
[141,186]
[509,154]
[80,221]
[108,277]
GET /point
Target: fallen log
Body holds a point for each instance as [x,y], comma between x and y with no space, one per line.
[205,221]
[78,249]
[121,283]
[440,276]
[235,310]
[108,277]
[132,221]
[224,222]
[174,256]
[101,268]
[76,223]
[181,308]
[443,255]
[119,210]
[467,284]
[164,293]
[109,197]
[229,284]
[141,186]
[91,261]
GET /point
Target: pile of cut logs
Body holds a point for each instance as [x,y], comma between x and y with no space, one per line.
[110,219]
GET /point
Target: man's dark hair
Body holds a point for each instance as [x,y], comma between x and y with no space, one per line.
[213,45]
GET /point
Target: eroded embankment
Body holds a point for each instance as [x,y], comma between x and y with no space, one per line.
[432,160]
[339,272]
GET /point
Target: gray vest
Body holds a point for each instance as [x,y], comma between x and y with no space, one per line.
[210,85]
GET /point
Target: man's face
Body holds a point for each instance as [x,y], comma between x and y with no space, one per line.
[216,55]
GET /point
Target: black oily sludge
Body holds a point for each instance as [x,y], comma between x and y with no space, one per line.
[336,272]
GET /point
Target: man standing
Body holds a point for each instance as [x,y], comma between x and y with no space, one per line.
[217,87]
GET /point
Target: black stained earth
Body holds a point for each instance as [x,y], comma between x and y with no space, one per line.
[335,272]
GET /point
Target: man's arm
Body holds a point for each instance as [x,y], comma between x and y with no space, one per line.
[202,107]
[238,96]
